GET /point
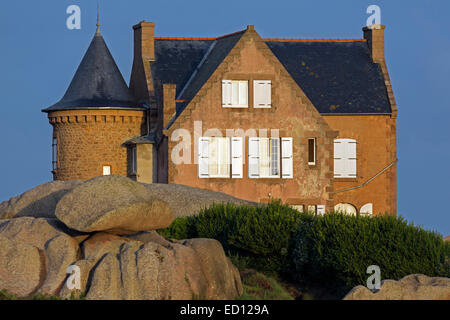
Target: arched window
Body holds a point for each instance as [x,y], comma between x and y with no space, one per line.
[345,158]
[366,209]
[346,208]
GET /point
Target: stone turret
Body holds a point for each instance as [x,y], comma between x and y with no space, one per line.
[96,116]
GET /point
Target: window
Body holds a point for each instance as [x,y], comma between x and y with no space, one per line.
[321,209]
[106,170]
[312,209]
[264,157]
[345,158]
[311,151]
[346,208]
[215,154]
[54,153]
[262,92]
[366,209]
[298,207]
[234,93]
[134,160]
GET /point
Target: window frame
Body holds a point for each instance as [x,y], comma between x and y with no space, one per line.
[314,152]
[235,94]
[228,173]
[277,160]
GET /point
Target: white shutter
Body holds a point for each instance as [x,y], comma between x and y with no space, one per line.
[262,92]
[234,93]
[253,157]
[351,158]
[339,159]
[203,157]
[226,93]
[345,158]
[236,157]
[243,93]
[286,158]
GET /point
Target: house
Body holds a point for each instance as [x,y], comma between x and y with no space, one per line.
[309,121]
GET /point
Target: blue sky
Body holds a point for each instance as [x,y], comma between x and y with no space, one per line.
[39,55]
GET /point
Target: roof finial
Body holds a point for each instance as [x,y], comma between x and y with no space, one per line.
[98,20]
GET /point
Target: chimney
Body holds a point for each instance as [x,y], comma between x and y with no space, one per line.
[169,104]
[141,81]
[374,34]
[144,40]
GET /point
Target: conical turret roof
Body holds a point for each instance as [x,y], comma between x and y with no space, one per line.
[98,83]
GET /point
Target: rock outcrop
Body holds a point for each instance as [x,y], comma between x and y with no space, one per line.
[115,204]
[101,243]
[58,249]
[39,202]
[188,201]
[20,267]
[412,287]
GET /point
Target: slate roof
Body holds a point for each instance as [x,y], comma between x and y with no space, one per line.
[97,83]
[338,77]
[189,63]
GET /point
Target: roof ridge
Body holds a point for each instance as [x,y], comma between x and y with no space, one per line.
[200,38]
[313,40]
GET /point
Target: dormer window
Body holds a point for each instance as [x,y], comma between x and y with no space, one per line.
[235,93]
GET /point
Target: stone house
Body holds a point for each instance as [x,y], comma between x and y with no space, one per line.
[309,121]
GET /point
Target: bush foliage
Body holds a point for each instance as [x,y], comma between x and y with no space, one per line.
[334,249]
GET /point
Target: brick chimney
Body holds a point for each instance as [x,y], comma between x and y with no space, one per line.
[374,34]
[141,81]
[169,104]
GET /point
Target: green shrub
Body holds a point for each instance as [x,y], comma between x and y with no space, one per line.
[179,229]
[260,234]
[336,249]
[332,250]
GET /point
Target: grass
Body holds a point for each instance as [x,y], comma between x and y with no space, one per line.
[257,286]
[5,295]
